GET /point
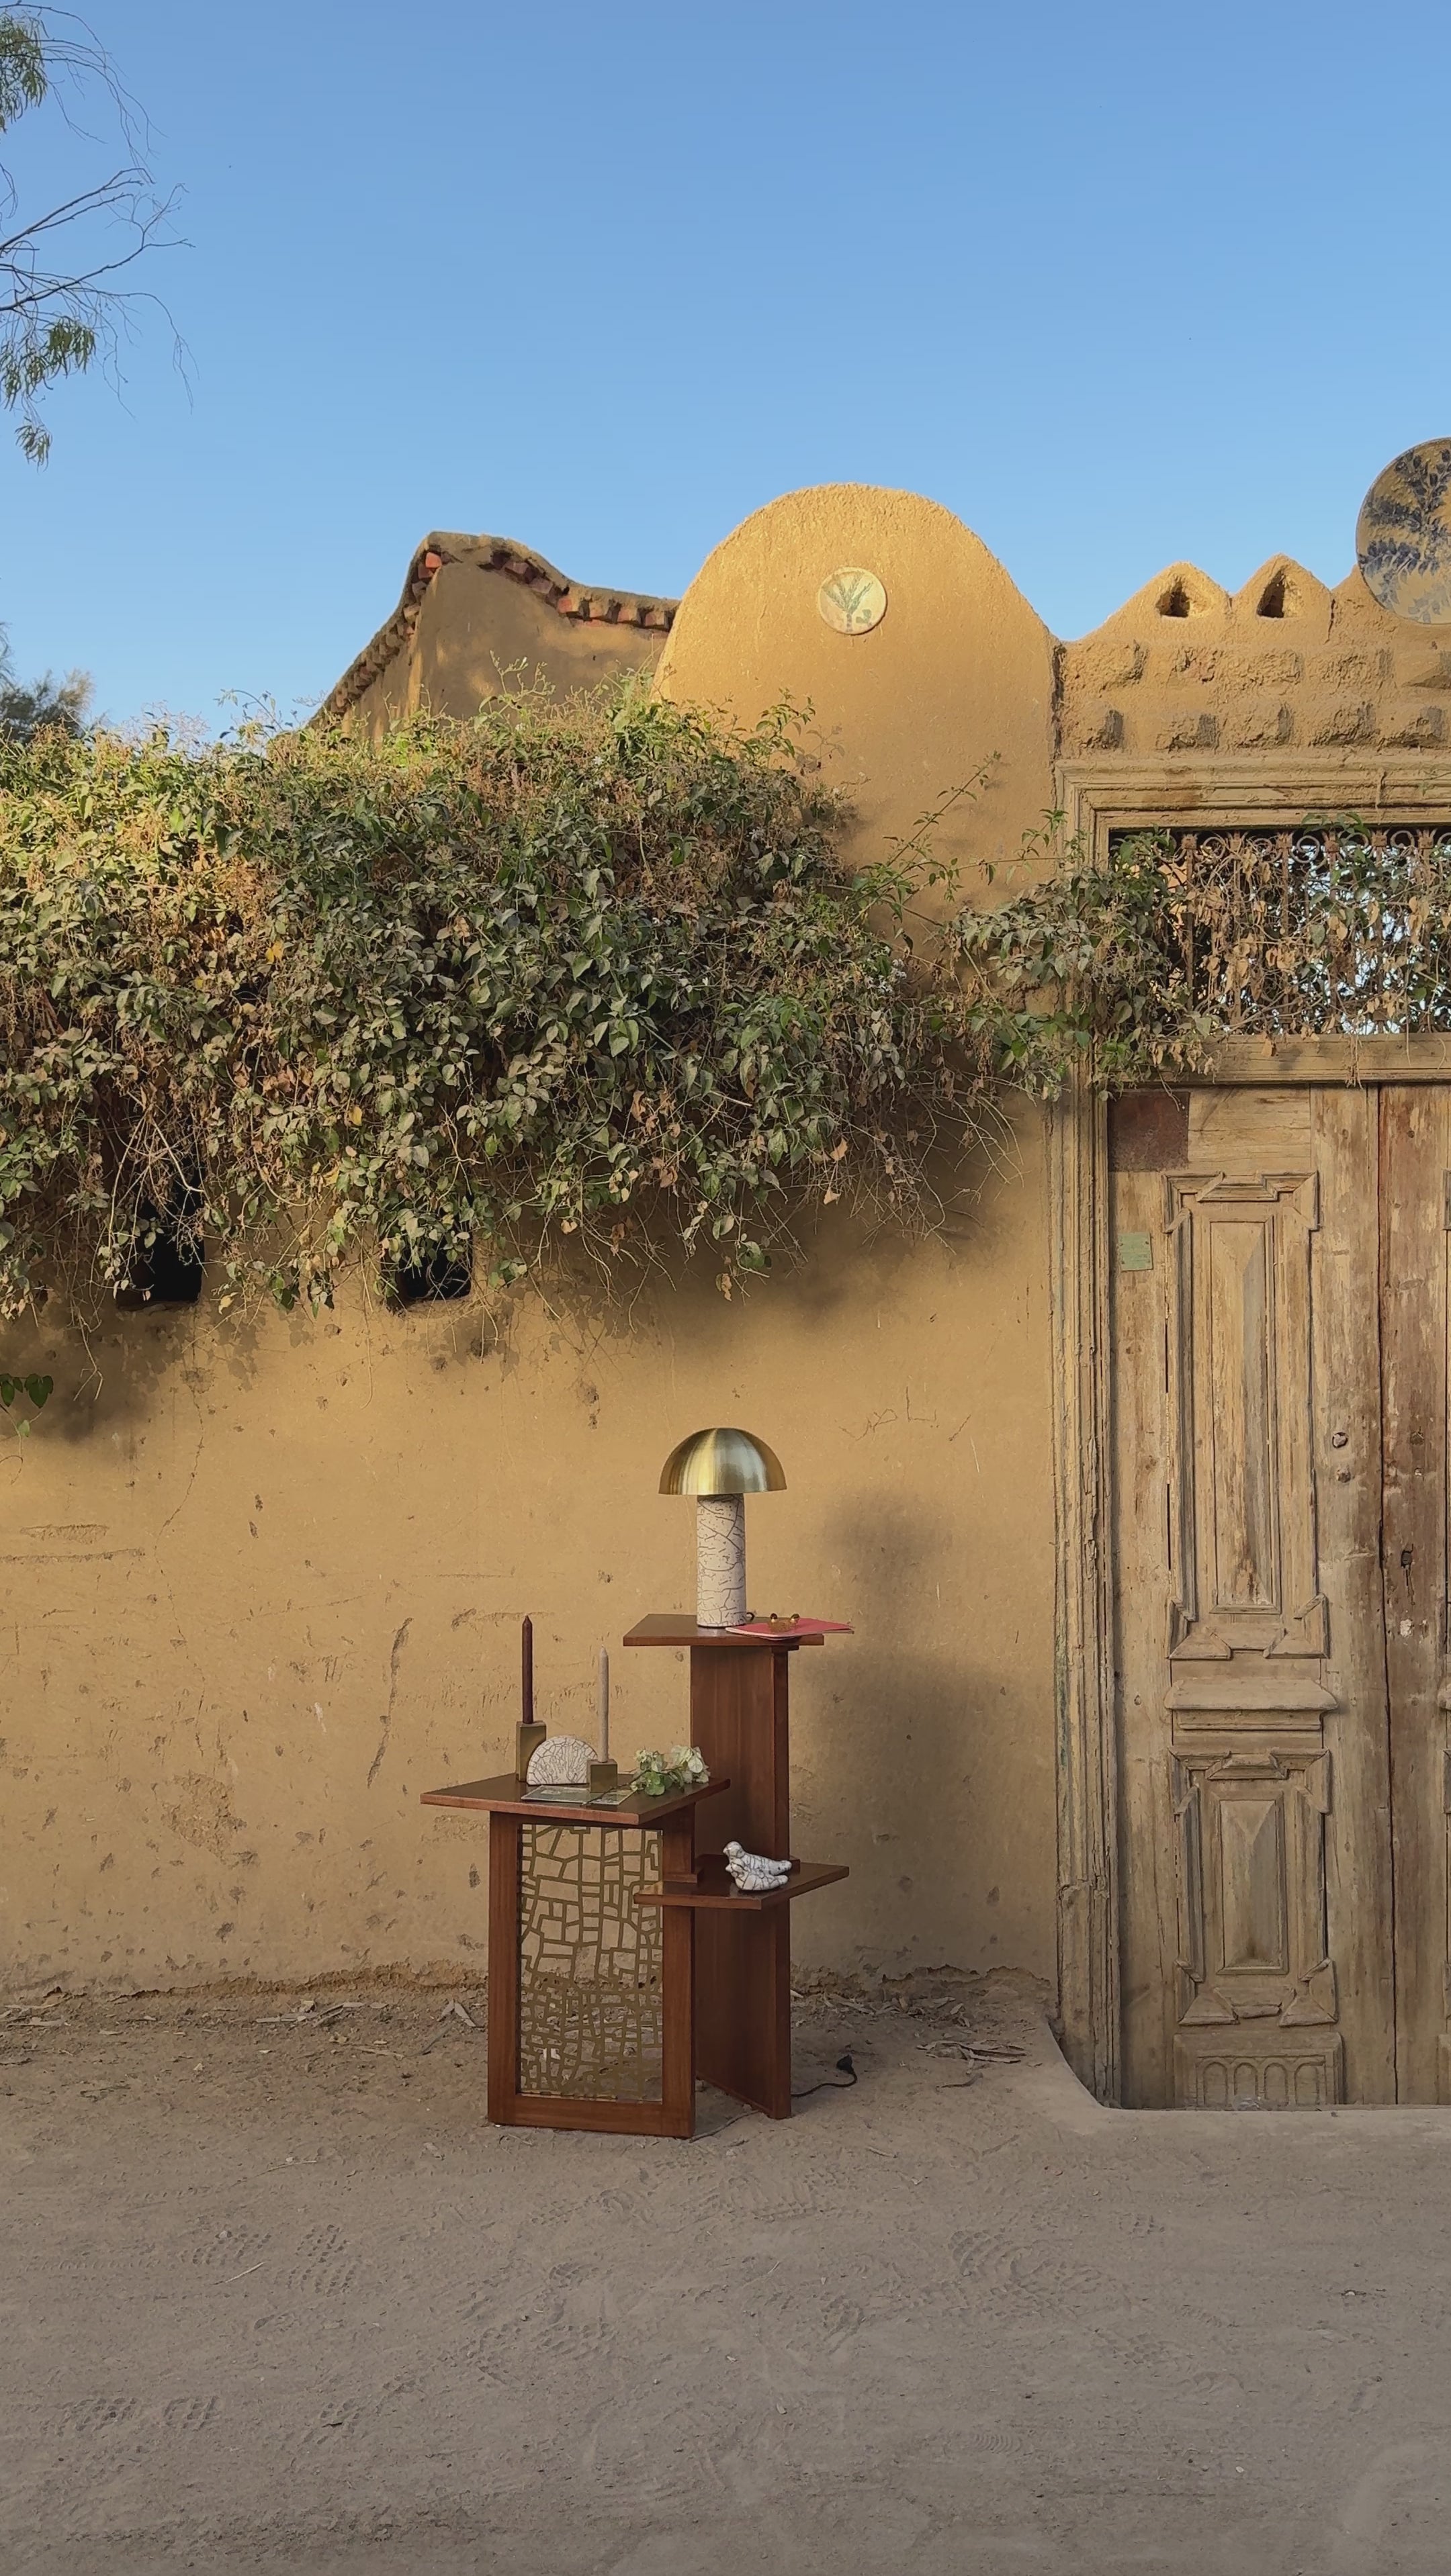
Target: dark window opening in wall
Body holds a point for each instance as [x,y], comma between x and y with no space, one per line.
[1175,602]
[167,1271]
[433,1278]
[1272,597]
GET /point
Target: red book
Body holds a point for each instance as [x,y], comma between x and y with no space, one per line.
[793,1628]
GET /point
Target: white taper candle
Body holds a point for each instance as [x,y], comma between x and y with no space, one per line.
[604,1704]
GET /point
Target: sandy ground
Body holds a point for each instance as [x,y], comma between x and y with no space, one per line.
[275,2297]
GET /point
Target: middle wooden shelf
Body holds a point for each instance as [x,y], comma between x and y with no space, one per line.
[714,1889]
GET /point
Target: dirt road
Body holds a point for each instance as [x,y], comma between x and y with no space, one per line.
[276,2298]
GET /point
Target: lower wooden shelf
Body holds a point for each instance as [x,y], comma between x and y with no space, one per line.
[715,1891]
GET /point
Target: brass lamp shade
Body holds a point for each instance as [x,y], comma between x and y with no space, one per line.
[722,1462]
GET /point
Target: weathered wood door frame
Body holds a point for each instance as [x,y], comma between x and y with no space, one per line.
[1097,800]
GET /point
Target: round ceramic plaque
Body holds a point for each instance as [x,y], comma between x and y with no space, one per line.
[1403,535]
[852,601]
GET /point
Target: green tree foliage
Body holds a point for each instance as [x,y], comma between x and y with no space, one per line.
[29,707]
[589,970]
[1085,971]
[61,303]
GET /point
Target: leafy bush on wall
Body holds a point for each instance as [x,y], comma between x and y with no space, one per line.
[585,968]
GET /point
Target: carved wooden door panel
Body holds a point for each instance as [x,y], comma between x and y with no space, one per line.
[1250,1646]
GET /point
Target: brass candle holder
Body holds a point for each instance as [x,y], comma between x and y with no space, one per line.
[527,1736]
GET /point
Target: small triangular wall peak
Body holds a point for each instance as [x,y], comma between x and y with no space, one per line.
[1283,595]
[1188,670]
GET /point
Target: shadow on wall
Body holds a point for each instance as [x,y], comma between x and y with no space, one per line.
[111,1374]
[893,1552]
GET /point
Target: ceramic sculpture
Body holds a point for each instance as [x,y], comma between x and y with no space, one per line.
[1403,536]
[560,1762]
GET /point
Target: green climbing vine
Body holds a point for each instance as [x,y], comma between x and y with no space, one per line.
[594,971]
[579,969]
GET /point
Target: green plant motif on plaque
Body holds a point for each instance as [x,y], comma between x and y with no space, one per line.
[853,601]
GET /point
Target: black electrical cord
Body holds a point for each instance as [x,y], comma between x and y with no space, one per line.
[844,2067]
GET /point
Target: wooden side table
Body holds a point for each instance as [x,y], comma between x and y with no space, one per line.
[739,1717]
[591,1996]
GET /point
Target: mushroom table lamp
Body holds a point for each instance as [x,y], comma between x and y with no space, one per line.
[720,1468]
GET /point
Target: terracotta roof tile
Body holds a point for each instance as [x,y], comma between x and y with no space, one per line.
[489,554]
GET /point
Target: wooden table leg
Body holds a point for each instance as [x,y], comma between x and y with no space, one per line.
[505,1846]
[677,1984]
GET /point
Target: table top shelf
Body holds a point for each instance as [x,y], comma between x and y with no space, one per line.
[676,1628]
[500,1797]
[715,1891]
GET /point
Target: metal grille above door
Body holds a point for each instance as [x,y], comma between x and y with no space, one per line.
[1328,930]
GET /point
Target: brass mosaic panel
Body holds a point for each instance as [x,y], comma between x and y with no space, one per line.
[590,1964]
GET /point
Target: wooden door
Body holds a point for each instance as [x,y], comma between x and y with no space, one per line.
[1264,1711]
[1415,1212]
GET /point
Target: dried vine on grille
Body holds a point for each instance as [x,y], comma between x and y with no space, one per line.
[1134,967]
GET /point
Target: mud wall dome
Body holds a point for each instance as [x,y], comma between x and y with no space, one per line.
[958,673]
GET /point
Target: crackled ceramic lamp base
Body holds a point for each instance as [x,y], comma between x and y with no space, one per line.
[720,1560]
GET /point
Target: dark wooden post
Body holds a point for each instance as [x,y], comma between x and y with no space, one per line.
[739,1692]
[677,1984]
[739,1719]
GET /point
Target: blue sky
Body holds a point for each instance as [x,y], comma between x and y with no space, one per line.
[1118,285]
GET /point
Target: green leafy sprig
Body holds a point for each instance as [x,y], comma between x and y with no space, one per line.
[656,1775]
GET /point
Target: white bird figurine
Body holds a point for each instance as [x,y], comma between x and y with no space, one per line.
[753,1874]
